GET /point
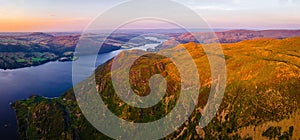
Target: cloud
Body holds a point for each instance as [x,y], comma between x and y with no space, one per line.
[211,8]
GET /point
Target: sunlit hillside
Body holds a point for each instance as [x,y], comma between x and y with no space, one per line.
[262,97]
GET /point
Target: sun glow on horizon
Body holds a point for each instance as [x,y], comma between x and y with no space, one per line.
[42,24]
[75,15]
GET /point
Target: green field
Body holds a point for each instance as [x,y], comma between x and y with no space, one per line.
[34,59]
[21,60]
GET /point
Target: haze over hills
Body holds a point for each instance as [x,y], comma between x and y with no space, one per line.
[262,99]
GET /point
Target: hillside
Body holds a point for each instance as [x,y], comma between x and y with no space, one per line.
[261,100]
[23,50]
[19,50]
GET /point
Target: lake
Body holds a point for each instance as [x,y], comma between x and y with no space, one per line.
[48,80]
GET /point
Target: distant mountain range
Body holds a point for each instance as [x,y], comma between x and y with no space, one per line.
[238,35]
[19,50]
[230,36]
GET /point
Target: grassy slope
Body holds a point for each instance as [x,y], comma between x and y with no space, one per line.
[262,97]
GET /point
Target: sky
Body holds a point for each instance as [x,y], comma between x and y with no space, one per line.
[75,15]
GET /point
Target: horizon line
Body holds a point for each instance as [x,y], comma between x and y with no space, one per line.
[139,29]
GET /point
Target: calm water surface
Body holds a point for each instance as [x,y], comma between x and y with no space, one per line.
[48,80]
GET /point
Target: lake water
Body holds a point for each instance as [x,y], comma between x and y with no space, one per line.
[48,80]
